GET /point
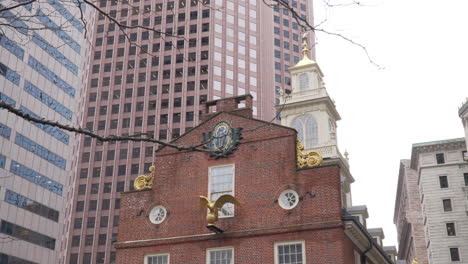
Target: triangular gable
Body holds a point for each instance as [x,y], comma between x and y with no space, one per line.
[252,129]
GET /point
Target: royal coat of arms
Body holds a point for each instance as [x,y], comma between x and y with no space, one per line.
[222,140]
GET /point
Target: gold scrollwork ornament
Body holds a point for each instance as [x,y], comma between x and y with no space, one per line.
[144,181]
[307,159]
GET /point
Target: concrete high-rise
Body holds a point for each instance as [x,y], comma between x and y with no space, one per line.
[42,51]
[154,82]
[431,203]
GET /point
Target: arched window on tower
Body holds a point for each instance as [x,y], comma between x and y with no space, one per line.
[307,130]
[303,81]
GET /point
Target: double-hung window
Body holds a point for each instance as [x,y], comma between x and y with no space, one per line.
[157,259]
[221,181]
[290,252]
[220,256]
[454,254]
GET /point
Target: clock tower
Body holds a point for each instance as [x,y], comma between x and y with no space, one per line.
[309,109]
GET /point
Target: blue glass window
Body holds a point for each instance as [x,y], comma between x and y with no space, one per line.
[53,131]
[55,53]
[27,204]
[12,47]
[9,74]
[47,100]
[40,151]
[277,66]
[277,30]
[296,59]
[66,14]
[18,23]
[36,178]
[277,42]
[2,161]
[5,131]
[277,78]
[80,4]
[278,54]
[295,36]
[28,235]
[51,76]
[58,31]
[7,99]
[28,7]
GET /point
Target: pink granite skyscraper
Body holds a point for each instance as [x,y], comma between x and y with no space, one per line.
[223,48]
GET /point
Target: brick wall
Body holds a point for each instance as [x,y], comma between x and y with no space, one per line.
[265,165]
[321,246]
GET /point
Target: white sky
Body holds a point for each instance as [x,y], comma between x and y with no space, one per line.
[423,45]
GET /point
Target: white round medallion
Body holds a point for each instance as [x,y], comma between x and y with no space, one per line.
[288,199]
[157,214]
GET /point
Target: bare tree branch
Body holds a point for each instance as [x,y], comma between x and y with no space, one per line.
[16,6]
[135,138]
[307,26]
[328,4]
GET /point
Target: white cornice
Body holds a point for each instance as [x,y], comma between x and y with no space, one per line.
[307,102]
[360,239]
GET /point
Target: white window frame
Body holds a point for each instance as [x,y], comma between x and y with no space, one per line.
[302,242]
[451,204]
[454,226]
[208,250]
[233,184]
[459,255]
[158,255]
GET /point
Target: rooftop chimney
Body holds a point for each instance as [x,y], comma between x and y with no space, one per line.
[229,104]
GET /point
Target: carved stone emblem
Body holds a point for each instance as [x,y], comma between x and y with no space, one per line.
[222,140]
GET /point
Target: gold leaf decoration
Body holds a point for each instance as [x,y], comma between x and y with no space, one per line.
[213,207]
[308,159]
[143,182]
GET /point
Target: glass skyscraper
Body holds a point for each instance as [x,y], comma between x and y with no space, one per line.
[42,54]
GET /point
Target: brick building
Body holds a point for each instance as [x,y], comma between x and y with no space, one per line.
[295,206]
[310,227]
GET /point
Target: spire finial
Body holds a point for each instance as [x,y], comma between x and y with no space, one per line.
[305,50]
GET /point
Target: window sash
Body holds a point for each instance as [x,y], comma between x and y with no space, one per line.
[290,253]
[221,181]
[157,259]
[220,256]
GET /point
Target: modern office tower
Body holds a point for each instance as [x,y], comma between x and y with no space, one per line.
[432,203]
[153,82]
[42,52]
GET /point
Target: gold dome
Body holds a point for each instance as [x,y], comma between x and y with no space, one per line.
[305,59]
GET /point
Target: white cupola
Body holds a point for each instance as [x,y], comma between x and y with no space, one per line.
[309,109]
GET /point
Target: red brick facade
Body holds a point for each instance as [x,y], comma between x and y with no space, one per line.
[265,165]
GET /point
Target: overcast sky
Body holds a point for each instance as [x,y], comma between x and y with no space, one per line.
[423,47]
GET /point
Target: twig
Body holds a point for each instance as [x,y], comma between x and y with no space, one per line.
[16,6]
[29,118]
